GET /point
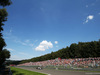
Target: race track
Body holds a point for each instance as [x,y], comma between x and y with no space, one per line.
[59,72]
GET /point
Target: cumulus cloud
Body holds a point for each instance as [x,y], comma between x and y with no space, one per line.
[56,42]
[44,45]
[90,17]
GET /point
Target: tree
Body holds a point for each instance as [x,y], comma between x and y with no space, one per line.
[4,53]
[2,43]
[5,2]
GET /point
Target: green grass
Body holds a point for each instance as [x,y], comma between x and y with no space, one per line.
[18,71]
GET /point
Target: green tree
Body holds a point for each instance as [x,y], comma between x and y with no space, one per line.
[5,2]
[4,54]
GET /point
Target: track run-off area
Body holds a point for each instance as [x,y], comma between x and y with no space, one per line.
[60,72]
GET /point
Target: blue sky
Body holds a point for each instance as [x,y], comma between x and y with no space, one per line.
[38,27]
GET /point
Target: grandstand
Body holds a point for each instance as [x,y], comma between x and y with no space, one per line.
[58,63]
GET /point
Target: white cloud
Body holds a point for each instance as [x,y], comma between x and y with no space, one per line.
[99,13]
[44,45]
[15,57]
[22,53]
[90,17]
[56,42]
[8,33]
[20,56]
[10,49]
[23,43]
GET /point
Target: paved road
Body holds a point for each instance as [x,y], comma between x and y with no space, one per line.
[60,72]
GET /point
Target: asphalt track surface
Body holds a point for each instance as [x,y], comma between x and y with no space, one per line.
[60,72]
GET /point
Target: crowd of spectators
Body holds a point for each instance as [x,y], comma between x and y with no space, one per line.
[76,62]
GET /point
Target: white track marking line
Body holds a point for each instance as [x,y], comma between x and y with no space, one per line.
[93,73]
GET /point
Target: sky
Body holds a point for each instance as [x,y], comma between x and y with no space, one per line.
[38,27]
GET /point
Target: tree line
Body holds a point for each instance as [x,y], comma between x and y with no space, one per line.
[80,50]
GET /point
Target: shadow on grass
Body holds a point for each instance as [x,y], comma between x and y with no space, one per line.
[16,72]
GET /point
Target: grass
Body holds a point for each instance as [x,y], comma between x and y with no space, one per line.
[18,71]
